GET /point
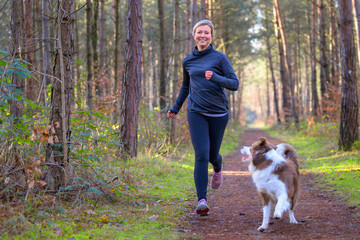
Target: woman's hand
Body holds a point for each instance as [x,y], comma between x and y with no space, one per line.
[171,114]
[208,74]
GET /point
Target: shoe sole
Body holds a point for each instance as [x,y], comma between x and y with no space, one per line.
[222,179]
[202,210]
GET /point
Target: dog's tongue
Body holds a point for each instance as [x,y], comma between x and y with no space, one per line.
[244,159]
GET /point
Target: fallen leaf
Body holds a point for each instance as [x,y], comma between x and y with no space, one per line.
[31,184]
[168,210]
[41,183]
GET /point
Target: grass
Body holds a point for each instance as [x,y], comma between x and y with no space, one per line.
[151,207]
[336,170]
[151,204]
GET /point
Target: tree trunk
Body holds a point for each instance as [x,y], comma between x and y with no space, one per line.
[103,83]
[284,81]
[162,89]
[267,91]
[287,61]
[31,88]
[61,94]
[335,62]
[188,30]
[209,9]
[79,85]
[239,94]
[154,77]
[89,58]
[131,85]
[307,87]
[16,106]
[349,126]
[38,58]
[324,64]
[273,79]
[222,29]
[356,11]
[202,9]
[193,21]
[46,47]
[94,44]
[315,99]
[176,66]
[296,67]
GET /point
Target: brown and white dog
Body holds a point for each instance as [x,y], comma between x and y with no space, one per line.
[275,172]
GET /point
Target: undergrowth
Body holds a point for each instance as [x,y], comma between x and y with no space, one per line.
[149,198]
[336,170]
[107,197]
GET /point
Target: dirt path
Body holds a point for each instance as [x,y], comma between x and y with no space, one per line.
[236,210]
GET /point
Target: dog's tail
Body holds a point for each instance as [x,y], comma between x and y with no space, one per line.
[288,152]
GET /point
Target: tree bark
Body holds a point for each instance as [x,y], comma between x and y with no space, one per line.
[176,30]
[61,98]
[46,47]
[335,62]
[103,83]
[188,30]
[202,9]
[324,64]
[287,61]
[315,99]
[38,43]
[193,22]
[162,88]
[285,84]
[31,88]
[116,44]
[307,87]
[349,126]
[16,106]
[94,44]
[356,11]
[79,85]
[273,79]
[131,84]
[89,99]
[222,28]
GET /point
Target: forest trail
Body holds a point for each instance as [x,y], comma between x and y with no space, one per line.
[236,210]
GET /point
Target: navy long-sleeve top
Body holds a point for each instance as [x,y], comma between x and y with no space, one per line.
[206,96]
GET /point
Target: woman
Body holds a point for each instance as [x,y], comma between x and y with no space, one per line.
[206,72]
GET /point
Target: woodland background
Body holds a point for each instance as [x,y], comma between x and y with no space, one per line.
[84,82]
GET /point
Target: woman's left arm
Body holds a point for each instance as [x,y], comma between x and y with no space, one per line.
[229,80]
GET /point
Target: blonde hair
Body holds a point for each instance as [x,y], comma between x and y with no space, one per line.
[204,22]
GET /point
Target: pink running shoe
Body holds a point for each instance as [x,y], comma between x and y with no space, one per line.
[202,208]
[216,180]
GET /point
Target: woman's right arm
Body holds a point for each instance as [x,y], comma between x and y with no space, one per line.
[183,93]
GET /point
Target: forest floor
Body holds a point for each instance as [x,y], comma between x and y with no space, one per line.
[236,210]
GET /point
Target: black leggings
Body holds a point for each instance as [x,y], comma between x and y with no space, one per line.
[206,136]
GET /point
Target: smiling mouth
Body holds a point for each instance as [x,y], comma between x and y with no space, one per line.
[245,158]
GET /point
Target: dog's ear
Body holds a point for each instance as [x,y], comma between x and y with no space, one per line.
[262,141]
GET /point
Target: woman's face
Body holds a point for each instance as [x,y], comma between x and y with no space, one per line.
[203,37]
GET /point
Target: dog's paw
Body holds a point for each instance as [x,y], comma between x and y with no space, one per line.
[261,228]
[293,221]
[277,216]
